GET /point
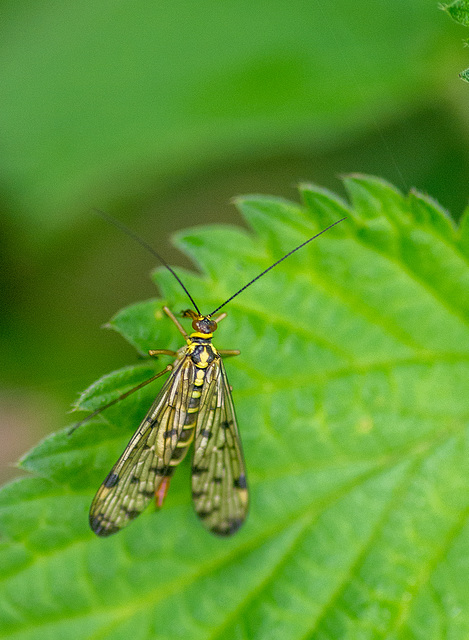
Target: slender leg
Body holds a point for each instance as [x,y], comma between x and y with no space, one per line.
[162,352]
[221,317]
[121,397]
[176,321]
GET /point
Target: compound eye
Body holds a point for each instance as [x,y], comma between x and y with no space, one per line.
[212,326]
[204,325]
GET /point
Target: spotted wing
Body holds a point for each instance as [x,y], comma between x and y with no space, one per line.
[219,487]
[145,463]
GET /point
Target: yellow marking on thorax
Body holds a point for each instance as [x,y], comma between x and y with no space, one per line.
[203,358]
[199,380]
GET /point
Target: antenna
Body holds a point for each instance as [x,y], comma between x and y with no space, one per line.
[120,225]
[276,263]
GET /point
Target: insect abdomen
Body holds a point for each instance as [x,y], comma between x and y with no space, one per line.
[187,434]
[185,438]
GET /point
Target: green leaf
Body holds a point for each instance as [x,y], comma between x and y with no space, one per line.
[458,10]
[464,75]
[351,393]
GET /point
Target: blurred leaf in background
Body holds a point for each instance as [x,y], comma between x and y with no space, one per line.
[351,391]
[459,11]
[166,110]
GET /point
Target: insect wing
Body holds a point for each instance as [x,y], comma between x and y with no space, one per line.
[219,487]
[145,463]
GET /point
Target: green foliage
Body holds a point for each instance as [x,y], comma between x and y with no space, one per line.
[459,11]
[111,100]
[351,392]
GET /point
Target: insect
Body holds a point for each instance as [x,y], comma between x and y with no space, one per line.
[194,406]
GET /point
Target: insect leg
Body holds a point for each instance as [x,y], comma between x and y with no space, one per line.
[161,352]
[171,315]
[221,317]
[121,397]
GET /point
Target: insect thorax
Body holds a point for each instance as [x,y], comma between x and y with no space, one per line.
[201,350]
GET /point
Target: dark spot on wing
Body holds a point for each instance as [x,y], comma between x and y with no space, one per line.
[159,472]
[131,513]
[197,471]
[111,480]
[240,483]
[102,527]
[229,528]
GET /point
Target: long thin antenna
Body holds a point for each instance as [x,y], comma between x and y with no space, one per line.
[120,225]
[276,263]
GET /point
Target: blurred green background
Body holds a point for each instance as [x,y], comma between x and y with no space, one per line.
[159,113]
